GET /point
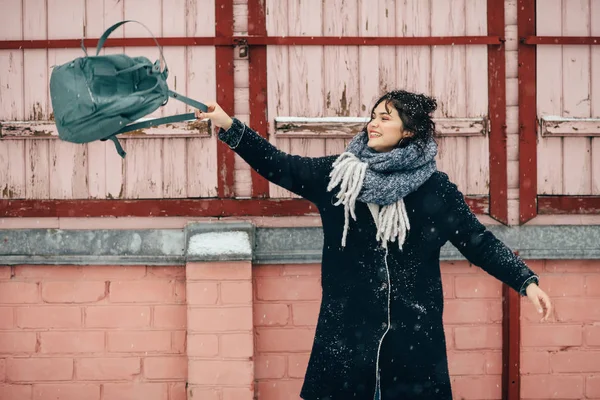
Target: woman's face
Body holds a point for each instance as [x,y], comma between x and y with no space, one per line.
[385,129]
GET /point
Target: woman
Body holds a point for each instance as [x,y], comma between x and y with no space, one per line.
[386,212]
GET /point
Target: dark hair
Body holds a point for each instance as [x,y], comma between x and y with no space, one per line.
[415,111]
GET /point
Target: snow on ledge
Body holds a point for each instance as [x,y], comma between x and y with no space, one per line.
[217,245]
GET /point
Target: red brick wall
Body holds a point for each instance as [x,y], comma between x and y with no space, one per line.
[93,332]
[561,358]
[286,309]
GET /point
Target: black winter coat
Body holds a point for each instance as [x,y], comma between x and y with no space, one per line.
[381,316]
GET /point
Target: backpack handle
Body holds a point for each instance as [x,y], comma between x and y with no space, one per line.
[110,30]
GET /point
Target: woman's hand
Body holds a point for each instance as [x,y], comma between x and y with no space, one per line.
[217,116]
[540,300]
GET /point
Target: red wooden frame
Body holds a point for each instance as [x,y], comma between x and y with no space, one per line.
[225,94]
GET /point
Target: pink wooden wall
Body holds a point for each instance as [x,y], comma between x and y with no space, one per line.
[568,90]
[304,81]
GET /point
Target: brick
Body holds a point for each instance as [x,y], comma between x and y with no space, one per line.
[493,363]
[86,273]
[551,387]
[236,292]
[562,285]
[305,314]
[477,287]
[71,342]
[177,391]
[592,387]
[535,362]
[478,337]
[282,390]
[237,345]
[166,367]
[477,387]
[117,317]
[6,318]
[220,319]
[106,369]
[39,369]
[178,342]
[170,317]
[592,285]
[297,365]
[246,393]
[575,361]
[142,291]
[574,266]
[284,340]
[267,270]
[466,363]
[551,335]
[18,293]
[66,391]
[448,286]
[202,293]
[203,393]
[202,345]
[17,342]
[472,311]
[302,269]
[136,390]
[592,335]
[271,314]
[269,366]
[208,372]
[577,310]
[15,392]
[143,341]
[73,292]
[233,270]
[49,317]
[288,288]
[172,272]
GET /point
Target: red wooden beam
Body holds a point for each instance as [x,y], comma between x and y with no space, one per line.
[225,94]
[527,113]
[171,208]
[257,25]
[541,40]
[569,205]
[511,344]
[223,39]
[497,115]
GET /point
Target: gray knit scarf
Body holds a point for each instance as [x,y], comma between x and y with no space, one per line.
[381,180]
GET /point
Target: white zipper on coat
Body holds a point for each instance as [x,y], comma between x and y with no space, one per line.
[389,322]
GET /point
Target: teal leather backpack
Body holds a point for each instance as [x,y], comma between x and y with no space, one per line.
[99,97]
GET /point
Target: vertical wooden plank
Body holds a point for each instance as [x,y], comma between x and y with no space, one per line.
[414,62]
[306,62]
[174,168]
[448,86]
[143,168]
[549,97]
[12,169]
[68,170]
[11,63]
[576,97]
[278,82]
[35,62]
[478,155]
[37,169]
[368,63]
[595,93]
[387,54]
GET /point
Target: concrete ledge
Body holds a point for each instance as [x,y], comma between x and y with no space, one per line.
[242,241]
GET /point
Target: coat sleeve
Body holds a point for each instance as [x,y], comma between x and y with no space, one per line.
[304,176]
[479,245]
